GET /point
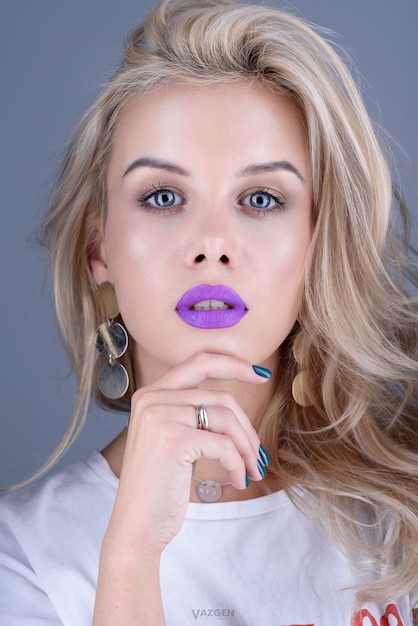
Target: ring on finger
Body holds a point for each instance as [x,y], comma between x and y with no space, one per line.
[202,418]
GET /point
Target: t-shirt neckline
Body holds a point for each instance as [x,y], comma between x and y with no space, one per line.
[202,510]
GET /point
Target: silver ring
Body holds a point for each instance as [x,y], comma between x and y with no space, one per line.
[202,418]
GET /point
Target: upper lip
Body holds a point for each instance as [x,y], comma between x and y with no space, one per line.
[199,293]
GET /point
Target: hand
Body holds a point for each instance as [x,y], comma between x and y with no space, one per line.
[163,442]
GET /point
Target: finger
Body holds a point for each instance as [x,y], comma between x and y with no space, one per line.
[221,448]
[200,397]
[160,419]
[192,445]
[206,365]
[223,421]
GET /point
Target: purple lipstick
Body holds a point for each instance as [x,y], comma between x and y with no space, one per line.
[211,306]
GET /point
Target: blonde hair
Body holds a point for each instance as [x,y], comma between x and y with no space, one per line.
[355,449]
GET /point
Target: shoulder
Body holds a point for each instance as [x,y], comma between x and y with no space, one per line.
[65,488]
[50,538]
[59,504]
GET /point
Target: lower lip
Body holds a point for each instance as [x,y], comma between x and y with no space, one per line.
[211,319]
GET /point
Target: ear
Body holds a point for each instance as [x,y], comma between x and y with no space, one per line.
[98,258]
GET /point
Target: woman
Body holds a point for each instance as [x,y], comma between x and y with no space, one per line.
[225,271]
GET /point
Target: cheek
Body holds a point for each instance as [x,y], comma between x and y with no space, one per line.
[128,263]
[290,257]
[138,263]
[127,249]
[288,278]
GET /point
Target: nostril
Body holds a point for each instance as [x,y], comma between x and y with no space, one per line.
[201,257]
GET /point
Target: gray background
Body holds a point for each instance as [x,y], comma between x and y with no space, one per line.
[55,54]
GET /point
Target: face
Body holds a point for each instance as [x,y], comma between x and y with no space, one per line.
[209,222]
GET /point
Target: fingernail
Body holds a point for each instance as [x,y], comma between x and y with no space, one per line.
[264,457]
[247,481]
[262,371]
[261,469]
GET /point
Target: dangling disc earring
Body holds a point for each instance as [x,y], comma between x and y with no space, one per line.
[302,390]
[112,343]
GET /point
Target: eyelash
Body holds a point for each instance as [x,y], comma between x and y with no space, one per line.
[279,201]
[144,200]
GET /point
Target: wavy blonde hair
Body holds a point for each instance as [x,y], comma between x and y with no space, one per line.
[355,449]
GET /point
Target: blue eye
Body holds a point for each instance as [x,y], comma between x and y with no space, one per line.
[160,199]
[163,198]
[262,201]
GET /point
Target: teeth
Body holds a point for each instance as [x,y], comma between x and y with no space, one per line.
[210,305]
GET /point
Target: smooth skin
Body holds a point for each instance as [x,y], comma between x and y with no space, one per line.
[205,185]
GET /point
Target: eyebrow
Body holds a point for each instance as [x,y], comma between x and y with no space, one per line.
[156,164]
[272,166]
[260,168]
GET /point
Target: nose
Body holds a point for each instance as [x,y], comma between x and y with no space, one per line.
[214,241]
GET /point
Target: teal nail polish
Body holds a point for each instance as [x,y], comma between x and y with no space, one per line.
[247,481]
[264,457]
[261,469]
[262,371]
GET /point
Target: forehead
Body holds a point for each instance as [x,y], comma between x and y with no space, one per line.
[179,100]
[235,123]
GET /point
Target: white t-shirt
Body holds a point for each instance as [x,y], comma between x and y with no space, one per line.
[244,563]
